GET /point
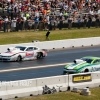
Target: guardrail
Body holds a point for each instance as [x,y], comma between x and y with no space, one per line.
[39,86]
[58,44]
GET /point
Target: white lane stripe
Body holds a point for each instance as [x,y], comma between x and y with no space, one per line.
[45,66]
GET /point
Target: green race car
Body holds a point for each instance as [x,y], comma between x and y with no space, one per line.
[84,64]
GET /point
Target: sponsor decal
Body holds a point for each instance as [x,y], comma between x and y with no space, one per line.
[82,78]
[10,52]
[29,54]
[21,83]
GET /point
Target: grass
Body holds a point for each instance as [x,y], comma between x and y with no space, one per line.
[95,95]
[28,36]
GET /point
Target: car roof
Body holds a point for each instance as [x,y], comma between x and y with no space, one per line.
[91,57]
[25,46]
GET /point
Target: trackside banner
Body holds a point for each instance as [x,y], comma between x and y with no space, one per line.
[82,78]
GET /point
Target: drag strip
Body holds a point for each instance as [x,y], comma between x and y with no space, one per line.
[54,57]
[52,65]
[27,68]
[29,74]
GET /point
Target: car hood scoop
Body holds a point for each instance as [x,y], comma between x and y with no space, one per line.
[78,61]
[10,52]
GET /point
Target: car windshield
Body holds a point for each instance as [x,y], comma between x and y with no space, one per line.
[21,48]
[88,60]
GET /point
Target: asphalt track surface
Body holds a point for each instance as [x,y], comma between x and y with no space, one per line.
[10,71]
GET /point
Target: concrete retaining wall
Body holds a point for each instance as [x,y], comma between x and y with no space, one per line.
[15,89]
[58,44]
[3,91]
[56,81]
[33,87]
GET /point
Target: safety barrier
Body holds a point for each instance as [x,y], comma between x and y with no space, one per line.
[58,44]
[31,87]
[3,92]
[59,82]
[15,89]
[23,88]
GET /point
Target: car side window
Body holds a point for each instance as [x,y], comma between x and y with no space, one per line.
[35,48]
[29,49]
[96,61]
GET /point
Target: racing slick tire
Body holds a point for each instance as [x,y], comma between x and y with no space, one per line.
[19,58]
[39,55]
[64,73]
[86,70]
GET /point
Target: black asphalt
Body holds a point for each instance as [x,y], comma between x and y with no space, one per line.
[54,57]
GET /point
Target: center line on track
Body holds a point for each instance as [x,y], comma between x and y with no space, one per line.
[19,69]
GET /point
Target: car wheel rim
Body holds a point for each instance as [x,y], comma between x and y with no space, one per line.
[19,58]
[39,55]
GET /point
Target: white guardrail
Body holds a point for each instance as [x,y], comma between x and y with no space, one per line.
[58,44]
[32,87]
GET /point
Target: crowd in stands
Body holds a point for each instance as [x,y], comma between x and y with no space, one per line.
[41,14]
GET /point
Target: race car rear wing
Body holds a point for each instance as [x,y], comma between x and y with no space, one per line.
[78,61]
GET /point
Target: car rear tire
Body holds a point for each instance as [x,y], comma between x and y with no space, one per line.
[64,73]
[19,58]
[86,70]
[39,55]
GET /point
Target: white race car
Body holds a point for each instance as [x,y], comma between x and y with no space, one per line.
[20,53]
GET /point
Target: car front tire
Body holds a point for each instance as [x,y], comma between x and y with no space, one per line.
[39,55]
[19,58]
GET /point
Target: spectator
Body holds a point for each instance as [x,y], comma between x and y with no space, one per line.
[13,24]
[60,22]
[37,13]
[51,22]
[84,21]
[21,23]
[45,24]
[97,21]
[48,21]
[70,22]
[36,23]
[5,24]
[56,22]
[18,22]
[30,23]
[26,24]
[47,35]
[41,23]
[65,15]
[79,22]
[91,12]
[98,11]
[66,8]
[89,21]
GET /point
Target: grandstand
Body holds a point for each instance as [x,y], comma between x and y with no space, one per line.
[52,10]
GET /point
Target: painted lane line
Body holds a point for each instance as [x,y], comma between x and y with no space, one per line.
[19,69]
